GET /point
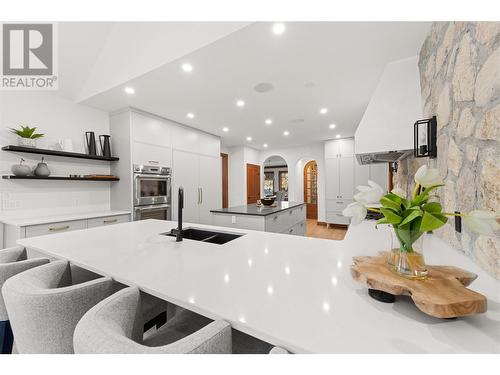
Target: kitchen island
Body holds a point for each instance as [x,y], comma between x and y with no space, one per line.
[294,292]
[281,217]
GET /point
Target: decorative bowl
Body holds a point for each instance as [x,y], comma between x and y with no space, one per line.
[267,201]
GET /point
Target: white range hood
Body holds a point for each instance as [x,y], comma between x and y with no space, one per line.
[385,133]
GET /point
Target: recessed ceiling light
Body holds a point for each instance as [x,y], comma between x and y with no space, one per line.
[188,68]
[286,132]
[225,129]
[190,115]
[268,121]
[332,126]
[278,28]
[323,110]
[264,145]
[249,139]
[337,136]
[129,90]
[240,103]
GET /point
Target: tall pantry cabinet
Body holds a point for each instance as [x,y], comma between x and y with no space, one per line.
[343,174]
[194,156]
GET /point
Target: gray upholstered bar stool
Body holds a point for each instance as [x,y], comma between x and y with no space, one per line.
[12,261]
[44,306]
[115,326]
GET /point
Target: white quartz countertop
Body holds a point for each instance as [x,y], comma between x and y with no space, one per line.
[25,219]
[291,291]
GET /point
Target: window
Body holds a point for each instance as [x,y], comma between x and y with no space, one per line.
[283,181]
[268,183]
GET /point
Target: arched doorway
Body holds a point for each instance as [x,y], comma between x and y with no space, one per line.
[275,178]
[311,189]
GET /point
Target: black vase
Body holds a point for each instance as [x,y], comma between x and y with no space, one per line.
[91,146]
[105,145]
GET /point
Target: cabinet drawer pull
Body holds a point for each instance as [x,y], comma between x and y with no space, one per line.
[291,212]
[339,202]
[290,230]
[110,221]
[153,161]
[54,229]
[275,218]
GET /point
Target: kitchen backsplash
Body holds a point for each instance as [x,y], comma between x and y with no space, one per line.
[460,83]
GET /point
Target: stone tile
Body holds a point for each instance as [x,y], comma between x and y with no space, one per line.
[489,126]
[444,107]
[488,80]
[471,153]
[487,254]
[455,157]
[489,181]
[445,48]
[487,32]
[442,159]
[465,190]
[466,123]
[464,72]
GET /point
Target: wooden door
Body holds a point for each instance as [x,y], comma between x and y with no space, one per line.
[225,188]
[311,189]
[253,183]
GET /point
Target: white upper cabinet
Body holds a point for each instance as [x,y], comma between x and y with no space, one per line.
[337,148]
[152,130]
[185,139]
[208,145]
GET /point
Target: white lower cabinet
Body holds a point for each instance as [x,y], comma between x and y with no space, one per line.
[64,226]
[108,220]
[200,177]
[12,233]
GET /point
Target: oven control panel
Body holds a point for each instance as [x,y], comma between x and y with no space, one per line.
[151,169]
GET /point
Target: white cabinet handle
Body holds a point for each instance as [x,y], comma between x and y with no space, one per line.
[153,162]
[290,230]
[275,218]
[291,212]
[339,202]
[110,221]
[54,229]
[201,195]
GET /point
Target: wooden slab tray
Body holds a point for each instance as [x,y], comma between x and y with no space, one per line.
[443,294]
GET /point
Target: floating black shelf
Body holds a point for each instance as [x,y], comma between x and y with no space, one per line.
[41,151]
[9,177]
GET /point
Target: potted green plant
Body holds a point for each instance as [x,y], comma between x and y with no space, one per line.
[26,136]
[412,217]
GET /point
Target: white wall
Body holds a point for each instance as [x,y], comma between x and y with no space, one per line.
[296,158]
[239,157]
[57,118]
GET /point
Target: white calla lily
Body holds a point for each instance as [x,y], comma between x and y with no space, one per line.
[356,211]
[369,194]
[483,222]
[399,192]
[428,177]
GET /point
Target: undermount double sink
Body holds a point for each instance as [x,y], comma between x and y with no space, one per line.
[202,235]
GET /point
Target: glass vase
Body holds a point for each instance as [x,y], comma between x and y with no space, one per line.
[26,142]
[406,257]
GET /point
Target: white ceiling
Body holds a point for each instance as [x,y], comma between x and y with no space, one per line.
[311,65]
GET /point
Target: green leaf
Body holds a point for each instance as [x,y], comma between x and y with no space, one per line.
[391,216]
[430,188]
[433,207]
[386,202]
[382,221]
[393,197]
[432,221]
[420,199]
[412,216]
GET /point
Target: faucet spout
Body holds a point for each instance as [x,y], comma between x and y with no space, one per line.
[180,206]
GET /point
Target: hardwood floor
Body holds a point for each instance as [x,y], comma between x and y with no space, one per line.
[320,231]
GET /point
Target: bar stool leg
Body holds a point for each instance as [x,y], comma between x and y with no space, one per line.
[6,337]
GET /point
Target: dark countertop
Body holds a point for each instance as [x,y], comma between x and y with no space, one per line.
[252,209]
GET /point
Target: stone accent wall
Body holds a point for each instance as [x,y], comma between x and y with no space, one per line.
[460,82]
